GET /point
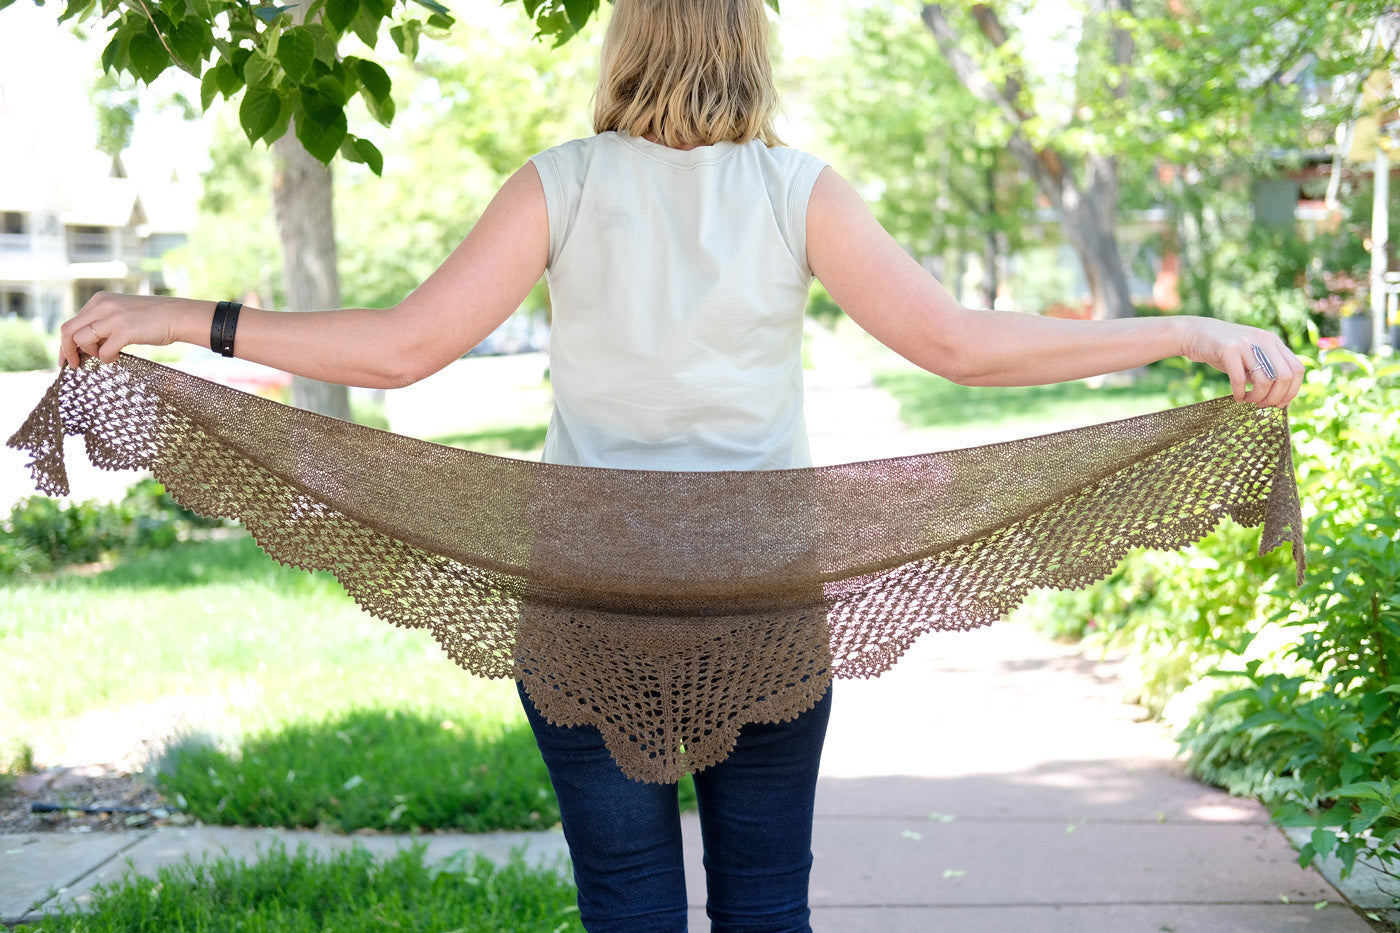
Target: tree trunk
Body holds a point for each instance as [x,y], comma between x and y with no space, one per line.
[301,200]
[1097,247]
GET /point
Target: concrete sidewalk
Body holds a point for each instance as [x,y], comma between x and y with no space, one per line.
[992,781]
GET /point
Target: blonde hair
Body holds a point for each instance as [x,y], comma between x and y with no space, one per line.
[687,72]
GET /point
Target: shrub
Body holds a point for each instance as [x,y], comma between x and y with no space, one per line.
[23,348]
[1287,689]
[42,533]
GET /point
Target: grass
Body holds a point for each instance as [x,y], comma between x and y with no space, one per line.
[368,768]
[943,415]
[349,892]
[515,440]
[927,401]
[311,711]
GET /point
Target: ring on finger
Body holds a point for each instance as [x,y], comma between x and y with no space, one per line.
[1263,362]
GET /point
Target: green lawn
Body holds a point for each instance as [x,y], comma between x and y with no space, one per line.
[350,892]
[927,401]
[314,713]
[943,415]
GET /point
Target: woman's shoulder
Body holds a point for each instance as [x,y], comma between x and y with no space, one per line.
[791,155]
[572,158]
[580,145]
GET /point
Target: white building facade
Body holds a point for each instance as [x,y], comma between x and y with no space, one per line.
[73,224]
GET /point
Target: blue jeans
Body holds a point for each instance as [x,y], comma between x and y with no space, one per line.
[624,836]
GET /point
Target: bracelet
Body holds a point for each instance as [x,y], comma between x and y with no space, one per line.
[222,327]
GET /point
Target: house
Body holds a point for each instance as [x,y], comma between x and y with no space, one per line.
[73,223]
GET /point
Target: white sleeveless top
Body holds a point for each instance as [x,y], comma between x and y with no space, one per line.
[678,280]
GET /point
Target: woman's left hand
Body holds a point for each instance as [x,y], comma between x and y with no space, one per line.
[111,321]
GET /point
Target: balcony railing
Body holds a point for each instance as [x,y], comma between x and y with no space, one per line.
[91,247]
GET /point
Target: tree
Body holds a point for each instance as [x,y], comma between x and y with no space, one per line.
[1190,88]
[908,129]
[1235,93]
[1087,208]
[489,99]
[286,65]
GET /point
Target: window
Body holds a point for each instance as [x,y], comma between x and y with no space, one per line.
[90,244]
[15,303]
[13,222]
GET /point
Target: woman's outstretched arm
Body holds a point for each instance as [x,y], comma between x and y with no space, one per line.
[476,288]
[893,298]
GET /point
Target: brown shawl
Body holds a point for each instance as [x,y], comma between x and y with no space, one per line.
[670,608]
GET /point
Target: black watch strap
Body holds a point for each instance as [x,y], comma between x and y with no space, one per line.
[222,328]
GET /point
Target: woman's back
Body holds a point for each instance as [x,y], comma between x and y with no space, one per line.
[678,279]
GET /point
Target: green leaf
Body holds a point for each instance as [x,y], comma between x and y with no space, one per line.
[332,90]
[1365,789]
[325,42]
[208,88]
[374,79]
[238,60]
[5,3]
[321,136]
[578,11]
[366,24]
[358,149]
[148,57]
[406,37]
[284,118]
[1323,840]
[227,77]
[270,37]
[259,111]
[113,54]
[296,53]
[381,110]
[371,154]
[340,13]
[191,39]
[435,7]
[1263,718]
[774,5]
[257,68]
[77,8]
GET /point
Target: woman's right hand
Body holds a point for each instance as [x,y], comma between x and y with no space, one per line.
[1227,347]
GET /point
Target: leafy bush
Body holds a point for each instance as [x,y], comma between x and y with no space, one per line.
[1315,729]
[23,348]
[42,533]
[1287,690]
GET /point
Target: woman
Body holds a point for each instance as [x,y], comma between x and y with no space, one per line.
[679,242]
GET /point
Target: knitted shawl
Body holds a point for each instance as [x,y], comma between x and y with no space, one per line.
[670,608]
